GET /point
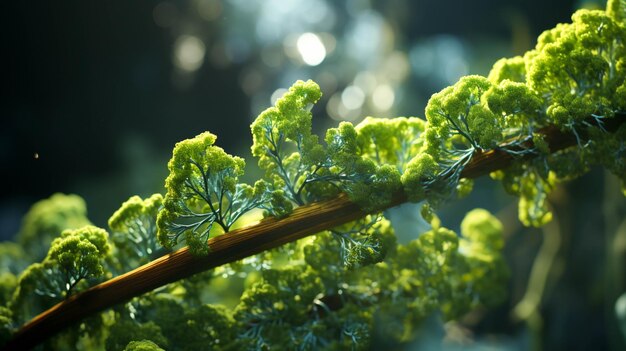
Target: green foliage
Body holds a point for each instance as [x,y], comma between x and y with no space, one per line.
[532,186]
[134,231]
[123,332]
[76,256]
[474,115]
[608,150]
[353,245]
[420,171]
[6,324]
[481,244]
[142,345]
[575,74]
[172,323]
[8,283]
[354,160]
[294,296]
[46,219]
[88,334]
[518,107]
[576,68]
[206,326]
[481,227]
[330,307]
[616,9]
[390,141]
[368,184]
[456,111]
[302,170]
[513,69]
[203,190]
[275,300]
[13,259]
[36,290]
[448,272]
[282,140]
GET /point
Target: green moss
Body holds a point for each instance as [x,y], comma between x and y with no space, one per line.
[46,220]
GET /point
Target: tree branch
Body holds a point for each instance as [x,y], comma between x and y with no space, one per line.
[240,243]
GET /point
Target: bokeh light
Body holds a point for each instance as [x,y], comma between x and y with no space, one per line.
[311,49]
[189,53]
[383,97]
[442,59]
[209,10]
[352,97]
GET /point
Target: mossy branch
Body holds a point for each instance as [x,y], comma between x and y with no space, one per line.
[240,243]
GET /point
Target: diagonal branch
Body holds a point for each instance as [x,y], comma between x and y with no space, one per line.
[240,243]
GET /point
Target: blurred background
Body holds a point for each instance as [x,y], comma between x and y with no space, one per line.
[97,94]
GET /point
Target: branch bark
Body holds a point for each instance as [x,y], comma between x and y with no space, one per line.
[240,243]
